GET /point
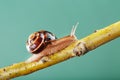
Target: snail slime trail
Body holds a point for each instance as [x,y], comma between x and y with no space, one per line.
[44,43]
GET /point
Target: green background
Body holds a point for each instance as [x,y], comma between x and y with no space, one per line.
[19,18]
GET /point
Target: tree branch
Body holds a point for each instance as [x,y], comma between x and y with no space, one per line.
[78,48]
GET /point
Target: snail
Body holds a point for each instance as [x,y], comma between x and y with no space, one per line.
[43,43]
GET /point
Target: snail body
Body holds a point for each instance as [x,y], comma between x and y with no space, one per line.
[44,43]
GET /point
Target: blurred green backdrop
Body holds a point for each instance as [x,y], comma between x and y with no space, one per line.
[19,18]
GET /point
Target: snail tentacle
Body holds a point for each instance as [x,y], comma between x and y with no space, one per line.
[74,29]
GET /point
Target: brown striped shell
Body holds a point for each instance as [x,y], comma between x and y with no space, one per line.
[39,40]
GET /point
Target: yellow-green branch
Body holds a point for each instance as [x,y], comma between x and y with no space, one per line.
[79,47]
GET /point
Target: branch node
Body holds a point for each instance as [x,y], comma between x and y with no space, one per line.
[45,59]
[80,49]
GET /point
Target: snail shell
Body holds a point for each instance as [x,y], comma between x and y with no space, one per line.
[38,41]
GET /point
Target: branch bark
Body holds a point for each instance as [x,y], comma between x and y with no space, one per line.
[78,48]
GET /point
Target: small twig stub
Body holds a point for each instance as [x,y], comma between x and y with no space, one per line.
[80,49]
